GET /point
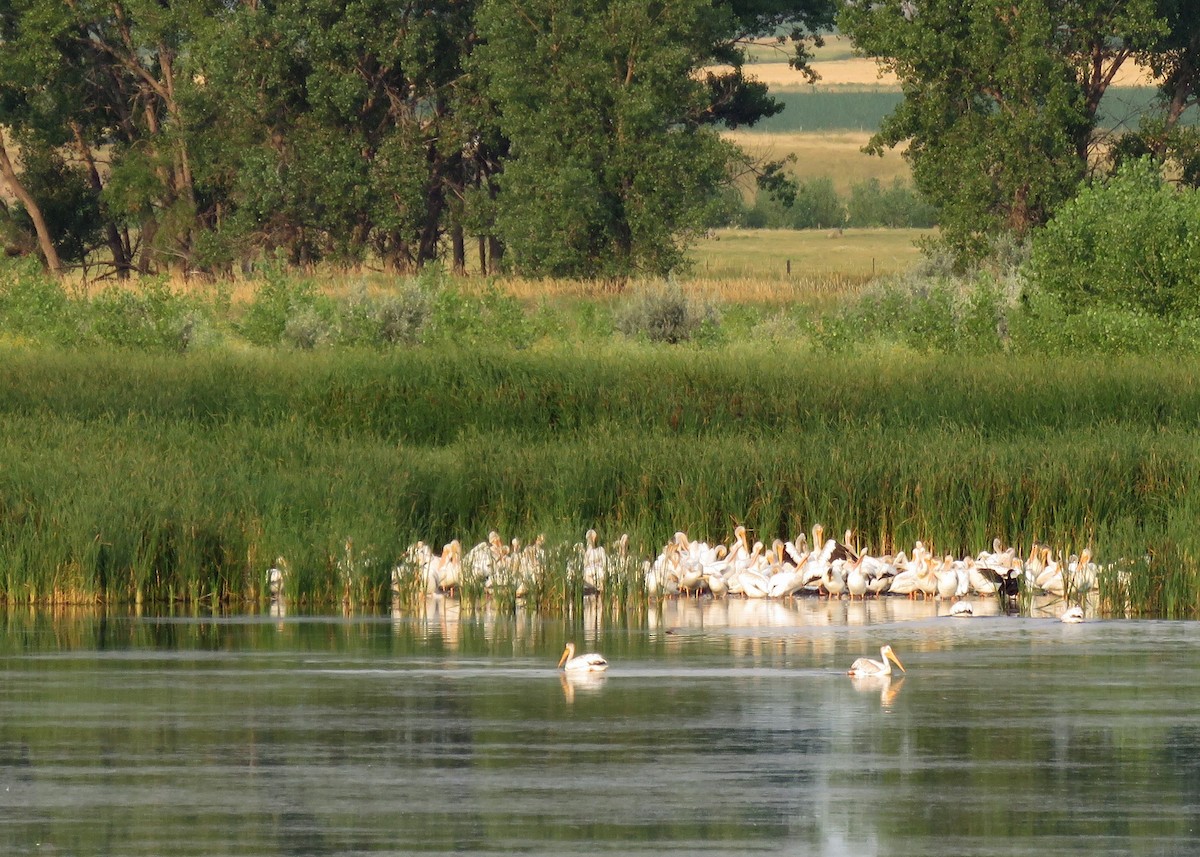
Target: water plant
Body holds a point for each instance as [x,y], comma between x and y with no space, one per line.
[127,476]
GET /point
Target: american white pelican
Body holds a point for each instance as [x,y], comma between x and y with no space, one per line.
[856,580]
[591,662]
[1073,616]
[963,610]
[946,579]
[866,666]
[277,577]
[832,581]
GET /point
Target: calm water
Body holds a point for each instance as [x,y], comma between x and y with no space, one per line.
[725,728]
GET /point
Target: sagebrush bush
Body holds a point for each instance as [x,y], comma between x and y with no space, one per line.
[308,328]
[666,314]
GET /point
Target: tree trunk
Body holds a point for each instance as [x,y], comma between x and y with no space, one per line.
[459,248]
[120,259]
[35,212]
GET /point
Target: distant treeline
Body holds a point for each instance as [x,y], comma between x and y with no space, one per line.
[818,205]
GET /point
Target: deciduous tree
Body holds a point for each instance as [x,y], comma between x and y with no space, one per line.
[1000,99]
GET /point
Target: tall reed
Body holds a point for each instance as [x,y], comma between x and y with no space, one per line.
[125,477]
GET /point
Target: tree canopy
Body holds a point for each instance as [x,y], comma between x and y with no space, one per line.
[199,134]
[1001,101]
[565,137]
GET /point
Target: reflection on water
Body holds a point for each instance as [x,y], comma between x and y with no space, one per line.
[886,686]
[720,728]
[582,683]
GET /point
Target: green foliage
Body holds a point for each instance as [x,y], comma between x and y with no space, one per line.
[152,318]
[1130,243]
[489,317]
[67,202]
[33,304]
[999,104]
[392,318]
[609,168]
[815,205]
[278,300]
[898,206]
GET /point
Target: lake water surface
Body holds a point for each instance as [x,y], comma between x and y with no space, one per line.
[721,728]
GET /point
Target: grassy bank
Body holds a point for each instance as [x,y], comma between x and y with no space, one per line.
[126,476]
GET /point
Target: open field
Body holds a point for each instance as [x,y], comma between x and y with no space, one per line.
[838,66]
[836,154]
[752,264]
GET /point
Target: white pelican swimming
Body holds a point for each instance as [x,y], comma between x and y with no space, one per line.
[1074,615]
[591,662]
[962,609]
[866,666]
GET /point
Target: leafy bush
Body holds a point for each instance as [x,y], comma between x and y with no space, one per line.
[469,318]
[667,314]
[1131,242]
[897,206]
[277,300]
[152,317]
[816,206]
[33,303]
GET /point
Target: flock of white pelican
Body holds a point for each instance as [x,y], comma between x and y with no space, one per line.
[824,567]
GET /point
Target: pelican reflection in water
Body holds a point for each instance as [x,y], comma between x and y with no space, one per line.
[887,686]
[582,682]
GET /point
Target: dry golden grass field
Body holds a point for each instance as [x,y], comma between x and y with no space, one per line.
[836,154]
[838,66]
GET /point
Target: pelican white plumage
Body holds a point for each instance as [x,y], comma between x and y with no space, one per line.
[590,662]
[277,577]
[856,579]
[962,610]
[946,580]
[867,666]
[789,579]
[1073,616]
[833,582]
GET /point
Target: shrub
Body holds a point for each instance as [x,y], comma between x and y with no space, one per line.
[308,328]
[33,303]
[667,314]
[469,318]
[816,206]
[897,206]
[383,320]
[276,301]
[1131,242]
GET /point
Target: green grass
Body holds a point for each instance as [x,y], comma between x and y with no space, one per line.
[828,255]
[125,476]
